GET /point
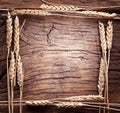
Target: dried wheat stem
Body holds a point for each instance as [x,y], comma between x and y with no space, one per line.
[30,12]
[12,76]
[20,77]
[9,41]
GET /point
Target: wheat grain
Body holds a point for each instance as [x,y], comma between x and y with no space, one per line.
[101,81]
[9,41]
[30,12]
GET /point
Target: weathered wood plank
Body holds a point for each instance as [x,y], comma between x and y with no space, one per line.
[60,58]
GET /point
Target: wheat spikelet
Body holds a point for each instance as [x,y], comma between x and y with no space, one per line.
[59,7]
[85,98]
[9,41]
[30,12]
[109,35]
[101,81]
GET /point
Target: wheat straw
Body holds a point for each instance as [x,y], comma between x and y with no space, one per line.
[9,41]
[12,75]
[20,77]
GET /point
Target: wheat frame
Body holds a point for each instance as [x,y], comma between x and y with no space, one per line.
[75,100]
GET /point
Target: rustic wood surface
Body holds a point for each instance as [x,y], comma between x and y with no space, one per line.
[80,3]
[60,59]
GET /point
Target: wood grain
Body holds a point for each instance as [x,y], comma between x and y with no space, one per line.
[60,58]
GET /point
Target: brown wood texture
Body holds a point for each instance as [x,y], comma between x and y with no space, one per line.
[37,3]
[60,59]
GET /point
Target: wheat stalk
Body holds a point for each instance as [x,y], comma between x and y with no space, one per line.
[109,38]
[9,41]
[101,81]
[104,49]
[30,12]
[20,78]
[12,75]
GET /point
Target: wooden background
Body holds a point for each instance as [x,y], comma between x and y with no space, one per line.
[60,56]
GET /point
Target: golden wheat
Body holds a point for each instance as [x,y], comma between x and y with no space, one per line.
[109,35]
[39,102]
[85,98]
[59,7]
[69,104]
[30,12]
[20,79]
[12,75]
[9,41]
[101,81]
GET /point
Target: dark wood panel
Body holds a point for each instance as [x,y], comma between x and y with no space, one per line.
[60,59]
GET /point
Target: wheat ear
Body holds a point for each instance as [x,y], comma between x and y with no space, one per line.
[16,41]
[101,79]
[59,7]
[9,41]
[104,52]
[12,75]
[30,12]
[20,78]
[109,38]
